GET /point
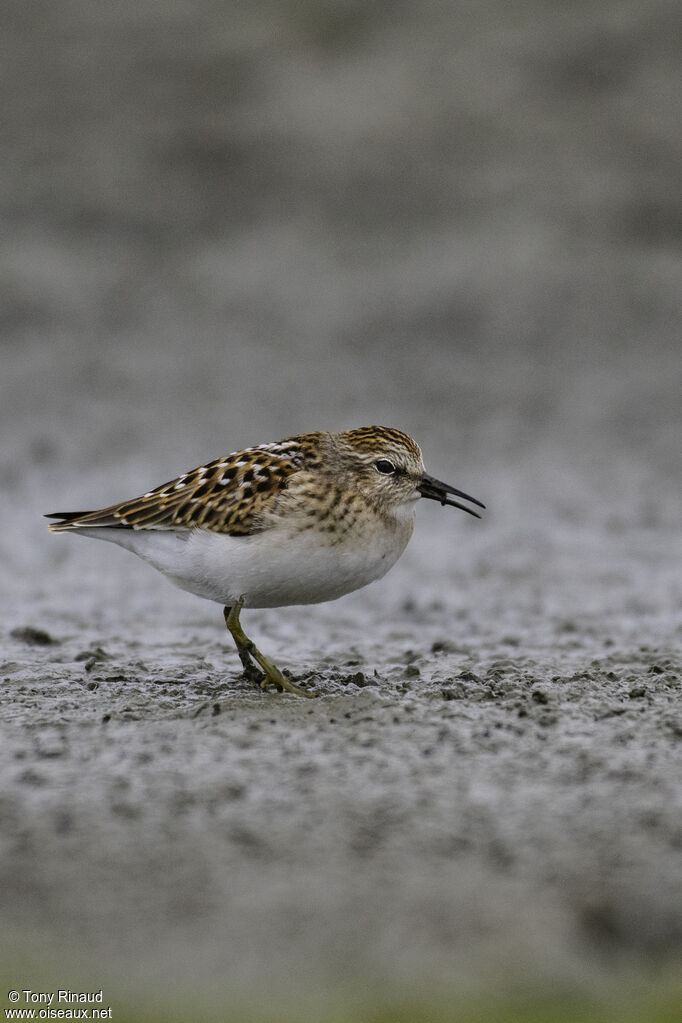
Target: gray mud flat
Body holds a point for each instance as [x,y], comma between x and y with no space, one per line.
[451,812]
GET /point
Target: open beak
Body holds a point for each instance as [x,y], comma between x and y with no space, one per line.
[436,490]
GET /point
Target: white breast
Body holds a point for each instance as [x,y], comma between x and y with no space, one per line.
[280,566]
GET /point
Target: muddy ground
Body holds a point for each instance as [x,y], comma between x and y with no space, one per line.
[224,228]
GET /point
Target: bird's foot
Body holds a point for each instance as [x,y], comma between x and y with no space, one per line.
[251,673]
[279,681]
[249,652]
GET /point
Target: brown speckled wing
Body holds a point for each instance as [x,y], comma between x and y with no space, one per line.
[228,495]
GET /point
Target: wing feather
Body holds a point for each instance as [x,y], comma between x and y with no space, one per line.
[228,495]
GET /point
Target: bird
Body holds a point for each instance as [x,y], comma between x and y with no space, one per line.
[299,521]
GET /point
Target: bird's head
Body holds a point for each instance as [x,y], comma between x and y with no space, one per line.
[388,467]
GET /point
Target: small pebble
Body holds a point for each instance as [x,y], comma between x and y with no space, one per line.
[34,637]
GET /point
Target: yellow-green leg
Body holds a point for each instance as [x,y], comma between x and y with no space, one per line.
[247,650]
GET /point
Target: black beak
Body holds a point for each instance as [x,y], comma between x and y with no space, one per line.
[438,491]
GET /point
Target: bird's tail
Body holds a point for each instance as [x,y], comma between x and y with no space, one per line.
[80,520]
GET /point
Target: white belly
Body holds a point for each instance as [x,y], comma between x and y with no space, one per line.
[270,569]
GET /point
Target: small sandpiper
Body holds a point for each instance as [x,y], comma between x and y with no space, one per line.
[300,521]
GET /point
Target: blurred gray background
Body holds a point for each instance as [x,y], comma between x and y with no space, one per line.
[225,223]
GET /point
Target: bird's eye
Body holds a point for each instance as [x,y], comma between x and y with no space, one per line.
[383,465]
